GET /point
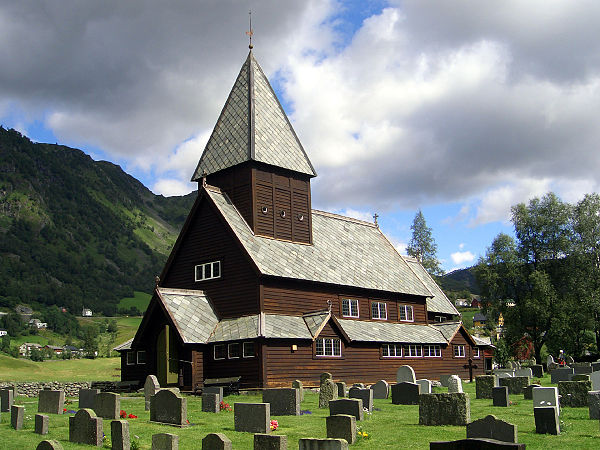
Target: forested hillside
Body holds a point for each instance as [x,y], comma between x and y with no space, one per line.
[75,232]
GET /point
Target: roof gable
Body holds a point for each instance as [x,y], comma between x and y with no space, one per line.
[253,126]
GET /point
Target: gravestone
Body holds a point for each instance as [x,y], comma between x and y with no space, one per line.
[537,370]
[595,379]
[525,372]
[214,390]
[119,435]
[270,442]
[297,384]
[562,374]
[359,385]
[444,379]
[484,385]
[168,406]
[475,444]
[550,360]
[85,428]
[7,398]
[500,396]
[325,376]
[17,414]
[151,387]
[513,365]
[41,424]
[216,441]
[545,396]
[444,409]
[594,404]
[515,385]
[580,377]
[546,420]
[87,398]
[341,389]
[381,389]
[425,386]
[405,374]
[107,405]
[284,401]
[322,444]
[341,426]
[49,444]
[347,406]
[504,374]
[405,393]
[327,392]
[492,428]
[528,391]
[574,393]
[569,360]
[252,417]
[210,403]
[454,385]
[165,441]
[51,402]
[366,395]
[596,366]
[582,368]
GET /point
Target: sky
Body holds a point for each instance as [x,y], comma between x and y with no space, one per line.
[460,109]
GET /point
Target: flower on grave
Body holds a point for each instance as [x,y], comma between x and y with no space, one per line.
[274,425]
[71,412]
[224,406]
[122,414]
[305,411]
[362,434]
[64,409]
[132,416]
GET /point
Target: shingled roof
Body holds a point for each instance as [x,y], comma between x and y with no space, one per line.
[253,126]
[345,251]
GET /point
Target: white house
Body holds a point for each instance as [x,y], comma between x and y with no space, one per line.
[3,332]
[86,312]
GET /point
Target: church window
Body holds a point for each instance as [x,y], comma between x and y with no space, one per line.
[432,351]
[248,349]
[130,358]
[233,350]
[328,347]
[459,351]
[391,350]
[379,310]
[406,313]
[141,357]
[208,271]
[220,352]
[475,352]
[349,307]
[413,351]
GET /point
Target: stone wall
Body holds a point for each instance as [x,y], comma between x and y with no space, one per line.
[32,389]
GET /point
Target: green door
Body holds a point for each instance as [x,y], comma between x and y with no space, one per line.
[167,357]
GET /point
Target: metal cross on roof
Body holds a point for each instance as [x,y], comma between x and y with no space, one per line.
[251,32]
[375,217]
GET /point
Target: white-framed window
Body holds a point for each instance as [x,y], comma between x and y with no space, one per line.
[233,350]
[432,351]
[208,271]
[379,310]
[248,350]
[391,351]
[141,357]
[349,307]
[130,358]
[405,313]
[459,351]
[220,351]
[328,347]
[475,352]
[413,351]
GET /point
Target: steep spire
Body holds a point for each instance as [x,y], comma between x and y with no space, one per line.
[253,126]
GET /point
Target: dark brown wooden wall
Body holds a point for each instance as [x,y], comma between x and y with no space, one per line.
[207,239]
[236,182]
[246,368]
[289,298]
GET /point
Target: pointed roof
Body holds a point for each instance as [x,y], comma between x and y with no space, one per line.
[253,127]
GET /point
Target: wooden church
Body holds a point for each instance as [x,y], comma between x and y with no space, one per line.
[262,287]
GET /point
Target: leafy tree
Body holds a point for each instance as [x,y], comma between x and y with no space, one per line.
[112,326]
[422,245]
[502,354]
[36,355]
[5,345]
[90,341]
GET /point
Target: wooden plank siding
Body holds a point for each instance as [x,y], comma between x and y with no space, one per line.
[247,368]
[207,239]
[236,182]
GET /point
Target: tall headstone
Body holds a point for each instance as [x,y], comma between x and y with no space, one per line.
[545,396]
[7,398]
[574,393]
[51,402]
[107,405]
[537,370]
[214,390]
[347,406]
[87,397]
[595,379]
[562,374]
[444,409]
[325,376]
[252,417]
[484,385]
[381,389]
[405,393]
[169,407]
[85,428]
[341,388]
[119,435]
[327,392]
[594,404]
[210,403]
[366,395]
[17,414]
[424,386]
[283,401]
[297,384]
[500,396]
[546,420]
[165,441]
[491,427]
[41,424]
[454,385]
[405,374]
[216,441]
[151,387]
[341,426]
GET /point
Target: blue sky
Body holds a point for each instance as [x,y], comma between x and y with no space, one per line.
[460,109]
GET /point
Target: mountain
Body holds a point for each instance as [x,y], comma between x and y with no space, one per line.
[76,232]
[460,280]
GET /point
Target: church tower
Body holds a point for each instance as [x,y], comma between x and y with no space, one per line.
[255,157]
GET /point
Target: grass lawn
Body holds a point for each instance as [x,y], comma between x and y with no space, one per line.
[140,300]
[390,426]
[12,369]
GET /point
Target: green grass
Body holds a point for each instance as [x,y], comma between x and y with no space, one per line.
[467,315]
[392,426]
[13,369]
[140,300]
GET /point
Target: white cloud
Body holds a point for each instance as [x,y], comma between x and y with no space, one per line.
[169,187]
[462,257]
[365,216]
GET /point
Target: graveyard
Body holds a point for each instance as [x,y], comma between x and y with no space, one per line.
[387,425]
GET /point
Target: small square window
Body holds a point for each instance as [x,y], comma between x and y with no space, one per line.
[328,347]
[349,307]
[130,358]
[208,271]
[459,351]
[233,350]
[220,352]
[141,357]
[379,310]
[405,313]
[248,349]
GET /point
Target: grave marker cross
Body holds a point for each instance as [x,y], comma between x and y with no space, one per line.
[470,366]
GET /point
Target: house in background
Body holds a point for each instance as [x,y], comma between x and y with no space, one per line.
[26,347]
[3,332]
[479,320]
[54,349]
[86,312]
[36,323]
[261,287]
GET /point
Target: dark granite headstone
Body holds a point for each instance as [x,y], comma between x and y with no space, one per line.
[381,389]
[562,374]
[51,402]
[107,405]
[405,393]
[214,390]
[341,387]
[17,414]
[87,397]
[537,370]
[119,435]
[366,395]
[210,402]
[7,398]
[49,444]
[284,401]
[594,404]
[475,444]
[347,406]
[216,441]
[169,407]
[85,428]
[252,417]
[270,442]
[322,444]
[546,420]
[491,427]
[341,426]
[500,396]
[41,424]
[165,441]
[528,391]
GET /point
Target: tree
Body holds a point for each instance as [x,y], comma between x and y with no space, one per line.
[422,245]
[90,342]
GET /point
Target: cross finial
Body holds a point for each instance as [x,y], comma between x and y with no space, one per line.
[251,32]
[375,217]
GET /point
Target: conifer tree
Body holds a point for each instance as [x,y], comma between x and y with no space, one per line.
[422,245]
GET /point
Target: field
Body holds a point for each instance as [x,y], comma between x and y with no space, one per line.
[12,369]
[389,426]
[140,300]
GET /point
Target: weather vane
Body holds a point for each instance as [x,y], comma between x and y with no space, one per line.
[251,32]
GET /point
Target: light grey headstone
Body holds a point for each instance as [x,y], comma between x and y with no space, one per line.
[322,444]
[252,417]
[595,379]
[444,379]
[491,427]
[107,405]
[17,414]
[500,396]
[7,398]
[341,426]
[87,397]
[550,360]
[119,435]
[151,387]
[214,390]
[594,404]
[211,403]
[405,374]
[41,424]
[51,402]
[270,442]
[366,395]
[525,372]
[49,444]
[347,406]
[327,392]
[85,428]
[341,387]
[454,385]
[297,384]
[545,396]
[380,389]
[284,401]
[167,406]
[546,420]
[216,441]
[425,386]
[165,441]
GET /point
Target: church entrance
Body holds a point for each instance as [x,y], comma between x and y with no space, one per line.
[167,357]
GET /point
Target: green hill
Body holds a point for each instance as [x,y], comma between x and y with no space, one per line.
[76,232]
[459,280]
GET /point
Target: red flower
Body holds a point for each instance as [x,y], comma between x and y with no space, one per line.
[64,409]
[122,414]
[132,416]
